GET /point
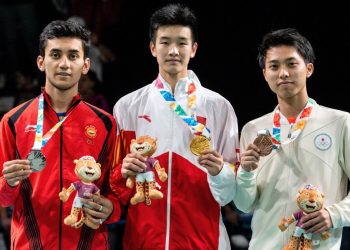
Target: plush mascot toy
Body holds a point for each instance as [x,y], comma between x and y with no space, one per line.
[309,200]
[87,171]
[146,186]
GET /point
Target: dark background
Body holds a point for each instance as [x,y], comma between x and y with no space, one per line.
[229,33]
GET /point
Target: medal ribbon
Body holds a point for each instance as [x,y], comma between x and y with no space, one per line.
[40,140]
[300,124]
[196,127]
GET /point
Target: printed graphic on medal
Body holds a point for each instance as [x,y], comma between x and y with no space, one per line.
[199,144]
[37,160]
[263,142]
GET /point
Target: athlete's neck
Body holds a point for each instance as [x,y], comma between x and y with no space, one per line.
[172,79]
[61,99]
[292,107]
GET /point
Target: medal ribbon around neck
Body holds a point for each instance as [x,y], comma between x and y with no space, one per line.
[196,127]
[300,124]
[40,140]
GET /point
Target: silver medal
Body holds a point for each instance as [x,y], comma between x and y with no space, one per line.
[37,160]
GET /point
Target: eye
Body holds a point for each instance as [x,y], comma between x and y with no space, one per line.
[73,56]
[55,55]
[273,66]
[292,64]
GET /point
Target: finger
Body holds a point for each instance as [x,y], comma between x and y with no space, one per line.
[315,228]
[93,219]
[18,175]
[14,167]
[94,213]
[134,164]
[253,147]
[17,161]
[310,223]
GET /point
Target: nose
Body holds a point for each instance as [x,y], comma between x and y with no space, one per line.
[64,62]
[283,74]
[312,198]
[174,51]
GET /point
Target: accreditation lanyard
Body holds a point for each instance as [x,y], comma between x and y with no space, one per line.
[196,127]
[296,128]
[40,140]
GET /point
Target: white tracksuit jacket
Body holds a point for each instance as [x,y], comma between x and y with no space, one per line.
[188,216]
[319,156]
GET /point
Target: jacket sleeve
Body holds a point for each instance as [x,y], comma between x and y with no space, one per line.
[8,194]
[340,212]
[223,185]
[117,181]
[246,192]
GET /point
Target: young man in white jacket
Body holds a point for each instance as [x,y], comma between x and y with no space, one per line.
[182,114]
[311,145]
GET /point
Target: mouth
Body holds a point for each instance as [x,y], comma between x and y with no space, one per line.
[173,61]
[63,74]
[90,174]
[310,206]
[284,83]
[140,148]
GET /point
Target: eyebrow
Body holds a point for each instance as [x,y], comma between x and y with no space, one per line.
[178,38]
[288,59]
[70,51]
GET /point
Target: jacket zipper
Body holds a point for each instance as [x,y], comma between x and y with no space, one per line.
[61,203]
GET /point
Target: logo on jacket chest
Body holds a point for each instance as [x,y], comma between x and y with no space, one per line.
[323,141]
[90,133]
[30,128]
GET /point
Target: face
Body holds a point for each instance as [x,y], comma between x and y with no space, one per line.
[63,63]
[173,49]
[286,72]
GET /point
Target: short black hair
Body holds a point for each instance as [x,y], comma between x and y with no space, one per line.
[287,37]
[173,14]
[61,28]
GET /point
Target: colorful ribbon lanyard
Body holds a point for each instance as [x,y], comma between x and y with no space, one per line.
[196,127]
[40,140]
[296,129]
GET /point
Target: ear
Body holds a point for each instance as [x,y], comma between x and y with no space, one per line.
[152,47]
[75,161]
[309,69]
[194,49]
[98,164]
[264,72]
[40,63]
[86,66]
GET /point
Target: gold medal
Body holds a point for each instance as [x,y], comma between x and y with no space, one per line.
[263,142]
[199,144]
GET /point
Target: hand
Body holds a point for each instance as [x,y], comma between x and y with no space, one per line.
[162,175]
[317,222]
[15,171]
[250,158]
[98,208]
[282,225]
[63,195]
[133,164]
[212,161]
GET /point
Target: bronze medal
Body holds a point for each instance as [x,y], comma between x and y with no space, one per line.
[199,144]
[263,142]
[37,160]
